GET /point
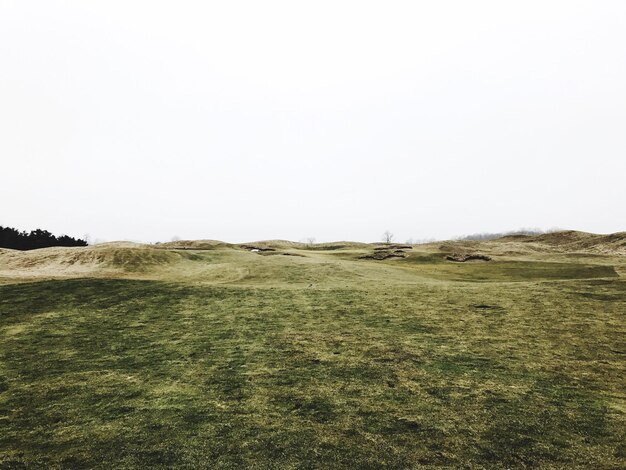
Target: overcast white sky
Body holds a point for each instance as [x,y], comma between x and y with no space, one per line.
[241,121]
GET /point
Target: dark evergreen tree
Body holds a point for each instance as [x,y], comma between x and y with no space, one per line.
[13,238]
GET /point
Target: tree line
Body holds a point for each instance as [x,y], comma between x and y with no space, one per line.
[22,240]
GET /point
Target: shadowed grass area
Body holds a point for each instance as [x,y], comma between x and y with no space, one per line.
[101,373]
[437,267]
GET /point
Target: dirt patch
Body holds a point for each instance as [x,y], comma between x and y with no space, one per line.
[462,258]
[256,249]
[487,309]
[380,255]
[393,247]
[486,306]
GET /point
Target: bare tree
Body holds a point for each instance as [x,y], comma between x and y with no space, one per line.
[387,236]
[310,241]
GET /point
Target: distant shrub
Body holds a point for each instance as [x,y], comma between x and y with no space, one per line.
[492,236]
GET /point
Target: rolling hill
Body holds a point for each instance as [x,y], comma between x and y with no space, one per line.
[275,354]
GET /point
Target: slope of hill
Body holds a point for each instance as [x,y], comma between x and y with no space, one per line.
[550,243]
[108,259]
[284,355]
[276,261]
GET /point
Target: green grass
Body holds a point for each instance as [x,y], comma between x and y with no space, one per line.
[320,361]
[506,270]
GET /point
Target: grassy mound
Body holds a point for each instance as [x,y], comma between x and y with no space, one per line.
[82,261]
[574,241]
[192,245]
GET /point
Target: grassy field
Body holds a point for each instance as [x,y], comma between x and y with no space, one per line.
[310,357]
